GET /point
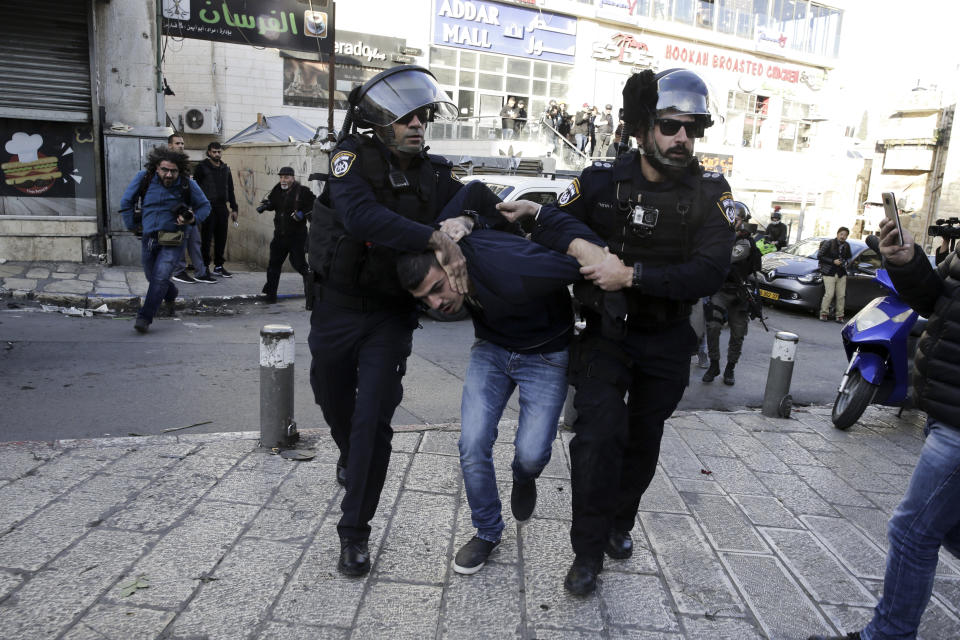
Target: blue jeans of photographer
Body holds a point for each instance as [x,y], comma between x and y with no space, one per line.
[492,375]
[159,263]
[191,238]
[927,518]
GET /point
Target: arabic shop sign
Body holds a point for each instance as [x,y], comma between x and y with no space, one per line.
[505,29]
[366,50]
[284,24]
[625,49]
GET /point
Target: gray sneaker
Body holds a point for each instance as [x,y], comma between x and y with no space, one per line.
[473,555]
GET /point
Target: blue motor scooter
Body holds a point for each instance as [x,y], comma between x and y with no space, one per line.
[879,342]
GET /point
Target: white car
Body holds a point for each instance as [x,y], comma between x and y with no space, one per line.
[510,188]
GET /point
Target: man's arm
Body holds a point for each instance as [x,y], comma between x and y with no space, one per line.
[127,201]
[231,197]
[198,202]
[917,283]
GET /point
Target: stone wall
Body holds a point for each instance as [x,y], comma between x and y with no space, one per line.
[254,167]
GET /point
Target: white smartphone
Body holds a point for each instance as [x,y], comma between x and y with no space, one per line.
[890,209]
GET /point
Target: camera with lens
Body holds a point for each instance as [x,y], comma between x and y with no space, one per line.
[183,211]
[643,220]
[264,206]
[948,228]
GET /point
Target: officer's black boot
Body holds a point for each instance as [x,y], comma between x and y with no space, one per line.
[712,372]
[728,374]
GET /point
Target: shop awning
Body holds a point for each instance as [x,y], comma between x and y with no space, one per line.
[277,129]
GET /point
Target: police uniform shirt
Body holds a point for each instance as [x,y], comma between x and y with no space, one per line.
[592,199]
[353,196]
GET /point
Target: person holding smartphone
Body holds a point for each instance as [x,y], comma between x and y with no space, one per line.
[927,517]
[833,256]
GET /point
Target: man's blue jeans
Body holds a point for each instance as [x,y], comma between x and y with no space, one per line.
[191,238]
[492,375]
[158,265]
[926,518]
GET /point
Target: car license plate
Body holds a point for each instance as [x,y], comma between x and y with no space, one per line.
[769,294]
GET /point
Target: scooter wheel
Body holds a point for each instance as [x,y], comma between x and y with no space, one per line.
[852,401]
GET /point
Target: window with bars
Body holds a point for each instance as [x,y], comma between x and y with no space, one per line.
[746,116]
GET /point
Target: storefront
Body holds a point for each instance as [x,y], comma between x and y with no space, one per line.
[485,52]
[47,149]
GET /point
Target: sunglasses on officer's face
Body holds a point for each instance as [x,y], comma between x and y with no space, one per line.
[423,115]
[670,127]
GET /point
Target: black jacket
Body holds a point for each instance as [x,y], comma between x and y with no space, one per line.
[285,202]
[776,232]
[829,251]
[935,294]
[216,183]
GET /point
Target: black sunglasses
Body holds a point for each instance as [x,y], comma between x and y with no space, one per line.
[424,115]
[670,127]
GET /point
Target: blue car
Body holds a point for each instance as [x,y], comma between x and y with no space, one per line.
[791,277]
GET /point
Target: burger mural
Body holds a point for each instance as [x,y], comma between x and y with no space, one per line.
[40,162]
[29,170]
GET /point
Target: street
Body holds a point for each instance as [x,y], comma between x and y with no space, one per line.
[64,377]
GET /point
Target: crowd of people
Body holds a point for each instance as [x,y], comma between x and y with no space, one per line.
[642,239]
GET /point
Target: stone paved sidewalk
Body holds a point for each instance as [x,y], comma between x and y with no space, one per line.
[751,529]
[87,286]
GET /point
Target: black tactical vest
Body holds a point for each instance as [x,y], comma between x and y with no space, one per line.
[361,268]
[679,213]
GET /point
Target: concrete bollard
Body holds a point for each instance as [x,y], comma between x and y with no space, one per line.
[777,402]
[277,346]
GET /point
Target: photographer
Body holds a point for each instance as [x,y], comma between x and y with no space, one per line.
[927,516]
[170,201]
[289,200]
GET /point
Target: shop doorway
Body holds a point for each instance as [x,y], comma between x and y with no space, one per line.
[490,106]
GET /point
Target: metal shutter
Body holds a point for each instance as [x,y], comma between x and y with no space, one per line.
[45,54]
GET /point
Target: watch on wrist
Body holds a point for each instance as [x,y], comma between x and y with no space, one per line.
[637,275]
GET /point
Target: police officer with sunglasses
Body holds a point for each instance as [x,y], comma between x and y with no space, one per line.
[668,225]
[385,195]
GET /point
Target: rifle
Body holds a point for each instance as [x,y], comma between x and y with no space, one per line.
[754,306]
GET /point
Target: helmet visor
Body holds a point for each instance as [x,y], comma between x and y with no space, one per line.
[683,93]
[400,93]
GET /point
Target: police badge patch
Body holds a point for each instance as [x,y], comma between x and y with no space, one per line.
[341,163]
[569,194]
[727,207]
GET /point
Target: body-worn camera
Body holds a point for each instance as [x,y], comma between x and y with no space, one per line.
[643,220]
[264,206]
[184,212]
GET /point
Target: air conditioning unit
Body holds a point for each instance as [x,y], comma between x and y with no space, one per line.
[205,119]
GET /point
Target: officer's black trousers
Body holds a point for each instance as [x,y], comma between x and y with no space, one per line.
[614,452]
[359,359]
[283,245]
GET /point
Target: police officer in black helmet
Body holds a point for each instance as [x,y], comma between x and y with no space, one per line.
[669,229]
[384,195]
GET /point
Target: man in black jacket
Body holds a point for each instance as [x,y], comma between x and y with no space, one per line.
[291,201]
[215,180]
[776,231]
[928,516]
[833,256]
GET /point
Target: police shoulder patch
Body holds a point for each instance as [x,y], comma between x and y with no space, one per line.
[602,164]
[341,162]
[728,208]
[712,175]
[571,193]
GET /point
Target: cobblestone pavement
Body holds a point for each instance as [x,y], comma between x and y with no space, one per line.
[752,528]
[87,286]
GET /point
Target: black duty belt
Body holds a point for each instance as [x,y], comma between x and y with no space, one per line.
[357,303]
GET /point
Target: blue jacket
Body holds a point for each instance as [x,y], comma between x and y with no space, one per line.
[519,292]
[159,203]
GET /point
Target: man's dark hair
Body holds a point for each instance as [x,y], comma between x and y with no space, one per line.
[159,154]
[843,229]
[214,145]
[412,268]
[172,136]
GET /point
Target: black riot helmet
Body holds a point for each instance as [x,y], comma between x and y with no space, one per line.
[393,93]
[646,96]
[742,210]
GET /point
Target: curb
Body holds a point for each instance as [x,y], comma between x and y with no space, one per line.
[131,302]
